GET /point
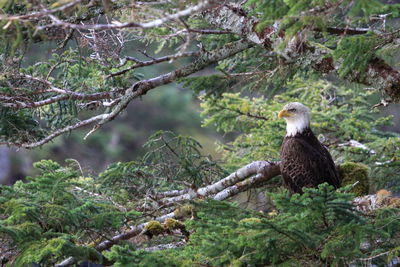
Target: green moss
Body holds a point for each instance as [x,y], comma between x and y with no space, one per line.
[350,173]
[154,228]
[171,224]
[184,211]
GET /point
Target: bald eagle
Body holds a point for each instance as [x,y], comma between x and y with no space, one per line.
[305,162]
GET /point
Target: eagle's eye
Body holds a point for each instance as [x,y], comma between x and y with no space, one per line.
[292,110]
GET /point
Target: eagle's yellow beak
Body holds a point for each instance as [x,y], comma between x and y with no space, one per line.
[284,113]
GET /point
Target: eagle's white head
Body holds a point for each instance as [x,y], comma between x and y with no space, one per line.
[297,118]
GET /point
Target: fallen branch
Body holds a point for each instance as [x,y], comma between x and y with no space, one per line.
[171,193]
[165,246]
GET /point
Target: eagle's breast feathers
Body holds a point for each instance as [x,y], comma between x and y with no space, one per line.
[305,162]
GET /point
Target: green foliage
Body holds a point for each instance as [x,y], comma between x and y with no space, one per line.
[311,24]
[386,163]
[128,178]
[125,256]
[171,162]
[356,51]
[48,218]
[211,85]
[178,158]
[319,227]
[19,126]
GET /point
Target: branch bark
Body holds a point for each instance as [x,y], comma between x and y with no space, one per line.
[165,246]
[56,133]
[258,168]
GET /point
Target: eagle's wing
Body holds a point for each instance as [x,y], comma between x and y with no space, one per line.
[306,165]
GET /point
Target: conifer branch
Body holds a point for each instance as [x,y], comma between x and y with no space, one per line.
[232,18]
[258,171]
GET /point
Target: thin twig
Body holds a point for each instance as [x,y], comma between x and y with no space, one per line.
[117,25]
[151,62]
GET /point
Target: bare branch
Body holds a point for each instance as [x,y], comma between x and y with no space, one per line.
[142,87]
[355,143]
[150,62]
[172,193]
[255,168]
[348,31]
[209,31]
[12,102]
[247,114]
[57,133]
[165,246]
[251,182]
[117,25]
[235,20]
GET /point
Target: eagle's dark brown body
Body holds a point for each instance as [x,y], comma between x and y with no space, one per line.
[306,162]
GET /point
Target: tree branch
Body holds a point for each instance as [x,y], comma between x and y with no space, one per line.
[259,172]
[117,25]
[56,133]
[259,168]
[231,18]
[142,87]
[42,13]
[150,62]
[165,246]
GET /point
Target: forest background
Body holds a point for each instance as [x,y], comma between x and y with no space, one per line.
[145,183]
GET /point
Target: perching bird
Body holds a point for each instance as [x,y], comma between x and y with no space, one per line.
[305,162]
